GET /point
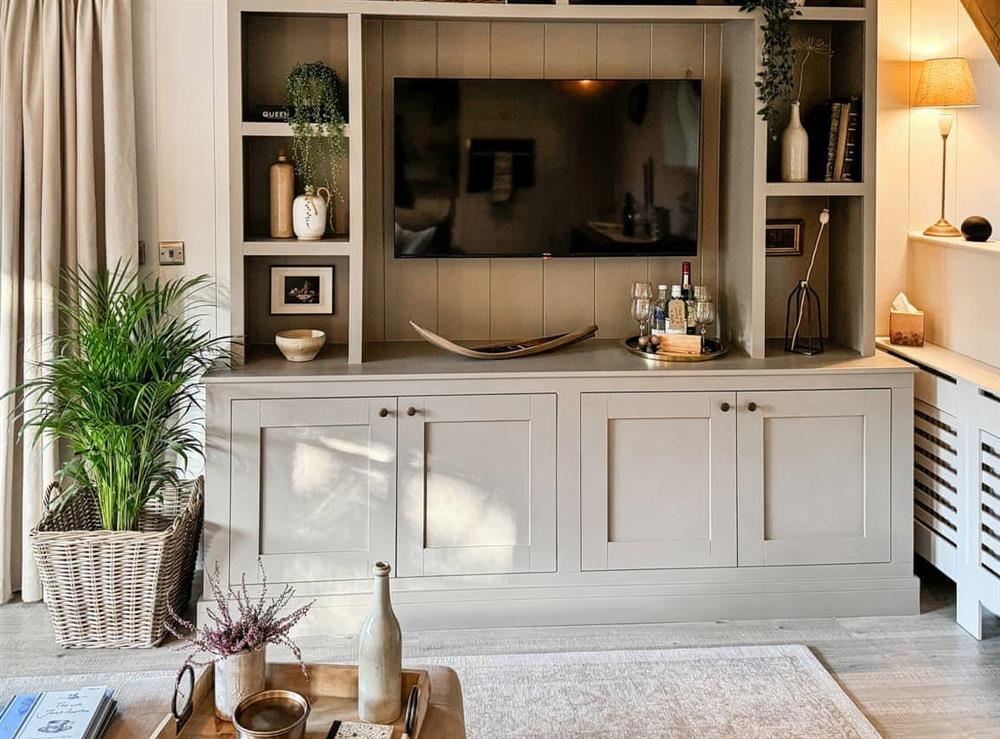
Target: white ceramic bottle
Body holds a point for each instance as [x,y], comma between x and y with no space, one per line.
[380,656]
[795,149]
[309,213]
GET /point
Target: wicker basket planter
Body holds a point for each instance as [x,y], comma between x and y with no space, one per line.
[112,588]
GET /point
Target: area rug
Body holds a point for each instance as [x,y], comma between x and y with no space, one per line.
[744,692]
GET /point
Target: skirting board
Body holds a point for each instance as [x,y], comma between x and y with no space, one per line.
[344,614]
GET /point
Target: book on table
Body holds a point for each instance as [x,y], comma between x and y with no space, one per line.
[69,714]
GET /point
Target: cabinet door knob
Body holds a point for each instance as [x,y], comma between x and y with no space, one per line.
[724,407]
[411,411]
[383,412]
[751,406]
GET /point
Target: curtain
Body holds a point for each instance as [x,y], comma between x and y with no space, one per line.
[67,198]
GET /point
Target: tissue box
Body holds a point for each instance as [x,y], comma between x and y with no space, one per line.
[906,329]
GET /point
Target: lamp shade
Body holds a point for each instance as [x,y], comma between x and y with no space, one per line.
[945,83]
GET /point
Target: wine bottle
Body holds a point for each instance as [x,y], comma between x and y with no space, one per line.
[687,292]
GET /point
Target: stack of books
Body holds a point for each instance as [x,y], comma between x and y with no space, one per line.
[835,140]
[67,714]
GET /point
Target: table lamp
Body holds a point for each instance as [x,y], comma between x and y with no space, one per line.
[945,83]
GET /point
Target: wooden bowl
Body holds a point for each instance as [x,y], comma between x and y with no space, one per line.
[300,344]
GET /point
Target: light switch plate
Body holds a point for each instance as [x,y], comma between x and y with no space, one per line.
[171,253]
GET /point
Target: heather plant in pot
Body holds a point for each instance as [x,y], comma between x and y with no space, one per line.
[235,636]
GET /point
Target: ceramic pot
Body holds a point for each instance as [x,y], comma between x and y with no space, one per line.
[380,657]
[282,181]
[238,676]
[309,213]
[795,149]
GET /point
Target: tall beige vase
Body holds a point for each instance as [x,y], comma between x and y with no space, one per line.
[380,657]
[282,194]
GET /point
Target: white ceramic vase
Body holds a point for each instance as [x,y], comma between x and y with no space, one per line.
[380,657]
[795,149]
[309,213]
[236,677]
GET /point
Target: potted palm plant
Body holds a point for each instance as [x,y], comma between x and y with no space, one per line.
[117,544]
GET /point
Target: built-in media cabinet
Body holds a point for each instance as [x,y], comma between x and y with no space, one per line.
[589,485]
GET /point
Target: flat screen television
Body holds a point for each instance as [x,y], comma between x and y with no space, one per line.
[562,168]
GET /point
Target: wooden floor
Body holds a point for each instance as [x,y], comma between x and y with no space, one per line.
[913,676]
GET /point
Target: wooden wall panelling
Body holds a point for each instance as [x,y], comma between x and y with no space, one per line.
[475,299]
[570,50]
[711,91]
[568,294]
[515,298]
[463,49]
[612,285]
[741,264]
[409,48]
[517,50]
[783,273]
[677,50]
[463,298]
[262,326]
[848,266]
[374,295]
[623,50]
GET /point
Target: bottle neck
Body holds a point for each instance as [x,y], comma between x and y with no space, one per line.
[380,595]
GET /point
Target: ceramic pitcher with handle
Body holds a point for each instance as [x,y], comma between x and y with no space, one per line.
[309,213]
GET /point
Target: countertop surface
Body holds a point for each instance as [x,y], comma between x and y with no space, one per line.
[592,358]
[950,363]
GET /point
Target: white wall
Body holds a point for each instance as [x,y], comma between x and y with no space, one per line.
[909,173]
[175,117]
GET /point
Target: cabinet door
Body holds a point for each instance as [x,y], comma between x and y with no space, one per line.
[477,484]
[658,480]
[313,487]
[814,477]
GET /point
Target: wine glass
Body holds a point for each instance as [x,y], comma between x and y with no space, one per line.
[641,307]
[704,315]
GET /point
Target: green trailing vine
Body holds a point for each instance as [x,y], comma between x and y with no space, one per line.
[315,94]
[775,81]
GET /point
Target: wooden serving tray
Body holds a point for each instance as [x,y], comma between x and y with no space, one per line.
[332,691]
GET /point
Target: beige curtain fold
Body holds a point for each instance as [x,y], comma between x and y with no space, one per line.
[67,197]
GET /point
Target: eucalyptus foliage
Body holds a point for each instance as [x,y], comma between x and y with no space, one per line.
[315,95]
[120,391]
[775,79]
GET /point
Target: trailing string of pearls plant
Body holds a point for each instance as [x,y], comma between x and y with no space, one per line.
[315,94]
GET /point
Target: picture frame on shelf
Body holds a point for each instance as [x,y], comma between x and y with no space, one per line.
[301,290]
[783,237]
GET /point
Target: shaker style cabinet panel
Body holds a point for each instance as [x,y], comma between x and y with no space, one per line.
[814,477]
[313,487]
[658,480]
[477,485]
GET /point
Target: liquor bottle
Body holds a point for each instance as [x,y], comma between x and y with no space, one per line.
[687,292]
[660,312]
[677,318]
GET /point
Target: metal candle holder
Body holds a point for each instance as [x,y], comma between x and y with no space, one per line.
[804,308]
[803,312]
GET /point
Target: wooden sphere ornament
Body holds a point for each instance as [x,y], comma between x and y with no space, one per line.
[976,228]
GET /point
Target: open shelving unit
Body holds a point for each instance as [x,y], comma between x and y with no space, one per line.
[260,40]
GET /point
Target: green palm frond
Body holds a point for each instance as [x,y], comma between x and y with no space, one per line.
[121,388]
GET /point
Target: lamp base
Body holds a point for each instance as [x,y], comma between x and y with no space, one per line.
[942,228]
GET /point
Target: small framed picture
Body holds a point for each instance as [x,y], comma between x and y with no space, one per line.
[301,291]
[783,238]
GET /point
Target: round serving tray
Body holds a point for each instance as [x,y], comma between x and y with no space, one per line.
[715,348]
